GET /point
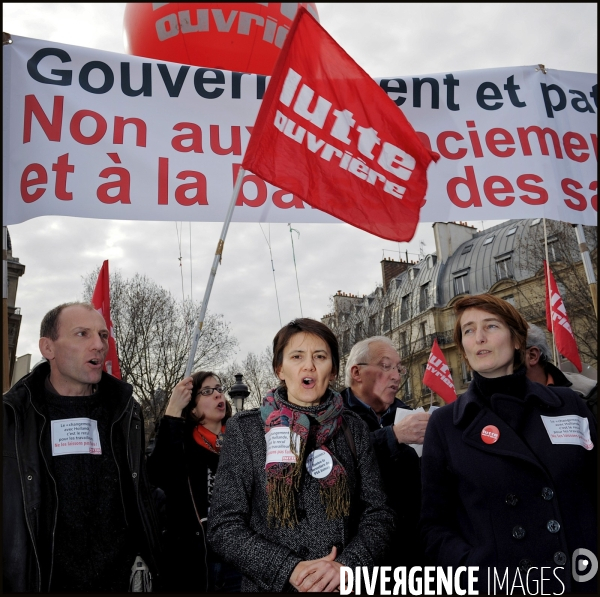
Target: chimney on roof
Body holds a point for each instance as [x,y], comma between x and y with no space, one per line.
[390,269]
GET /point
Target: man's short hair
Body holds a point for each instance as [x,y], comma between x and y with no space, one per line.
[536,337]
[49,326]
[360,354]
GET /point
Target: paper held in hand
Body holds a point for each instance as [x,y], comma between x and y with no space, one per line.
[404,412]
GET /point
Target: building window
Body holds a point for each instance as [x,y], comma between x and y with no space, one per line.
[373,326]
[461,284]
[403,342]
[504,267]
[467,249]
[511,231]
[423,329]
[466,374]
[405,307]
[387,318]
[535,222]
[407,389]
[424,297]
[488,240]
[554,253]
[358,332]
[426,390]
[510,299]
[346,341]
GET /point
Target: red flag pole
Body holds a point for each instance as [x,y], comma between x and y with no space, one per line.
[213,272]
[547,276]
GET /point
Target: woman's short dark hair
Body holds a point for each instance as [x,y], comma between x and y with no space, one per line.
[500,308]
[308,326]
[198,379]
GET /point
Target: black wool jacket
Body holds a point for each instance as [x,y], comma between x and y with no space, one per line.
[237,526]
[29,494]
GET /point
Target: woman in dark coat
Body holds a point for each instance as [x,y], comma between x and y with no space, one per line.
[509,469]
[298,491]
[184,464]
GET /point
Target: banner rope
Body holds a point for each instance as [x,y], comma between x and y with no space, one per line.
[295,266]
[273,268]
[180,259]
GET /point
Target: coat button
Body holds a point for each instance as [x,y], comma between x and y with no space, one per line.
[518,532]
[553,526]
[547,493]
[134,475]
[511,499]
[303,551]
[560,559]
[525,565]
[29,477]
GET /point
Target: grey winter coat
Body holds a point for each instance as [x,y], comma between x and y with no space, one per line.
[237,524]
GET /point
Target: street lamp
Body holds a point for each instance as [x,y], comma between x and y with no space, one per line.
[238,392]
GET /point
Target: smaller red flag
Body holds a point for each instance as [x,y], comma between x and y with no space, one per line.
[437,375]
[555,310]
[101,302]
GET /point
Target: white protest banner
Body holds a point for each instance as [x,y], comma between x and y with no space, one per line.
[104,135]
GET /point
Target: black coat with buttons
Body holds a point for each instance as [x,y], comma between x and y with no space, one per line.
[521,503]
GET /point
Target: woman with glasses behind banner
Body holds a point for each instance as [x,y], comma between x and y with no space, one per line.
[298,492]
[509,469]
[184,464]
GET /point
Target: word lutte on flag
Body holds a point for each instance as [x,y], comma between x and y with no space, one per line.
[437,375]
[555,310]
[101,302]
[330,135]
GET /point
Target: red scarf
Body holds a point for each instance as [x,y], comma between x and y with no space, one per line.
[206,439]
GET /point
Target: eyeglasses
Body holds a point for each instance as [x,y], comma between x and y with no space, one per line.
[387,367]
[208,391]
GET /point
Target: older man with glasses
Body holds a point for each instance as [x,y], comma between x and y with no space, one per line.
[374,377]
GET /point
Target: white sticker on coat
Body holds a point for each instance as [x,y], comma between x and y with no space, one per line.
[319,464]
[278,445]
[75,436]
[569,429]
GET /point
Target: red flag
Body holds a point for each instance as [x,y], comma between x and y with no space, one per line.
[555,309]
[328,133]
[437,375]
[101,301]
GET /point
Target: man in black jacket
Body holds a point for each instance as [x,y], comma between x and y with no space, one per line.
[77,508]
[373,374]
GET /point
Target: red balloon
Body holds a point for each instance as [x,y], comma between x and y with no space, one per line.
[238,36]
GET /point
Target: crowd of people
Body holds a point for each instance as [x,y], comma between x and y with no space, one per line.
[281,497]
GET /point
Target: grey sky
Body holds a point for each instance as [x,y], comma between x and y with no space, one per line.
[386,40]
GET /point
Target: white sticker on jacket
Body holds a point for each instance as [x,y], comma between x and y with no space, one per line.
[75,436]
[569,429]
[319,464]
[278,445]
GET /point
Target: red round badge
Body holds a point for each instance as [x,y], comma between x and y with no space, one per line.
[490,434]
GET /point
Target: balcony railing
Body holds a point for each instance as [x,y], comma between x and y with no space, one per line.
[425,343]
